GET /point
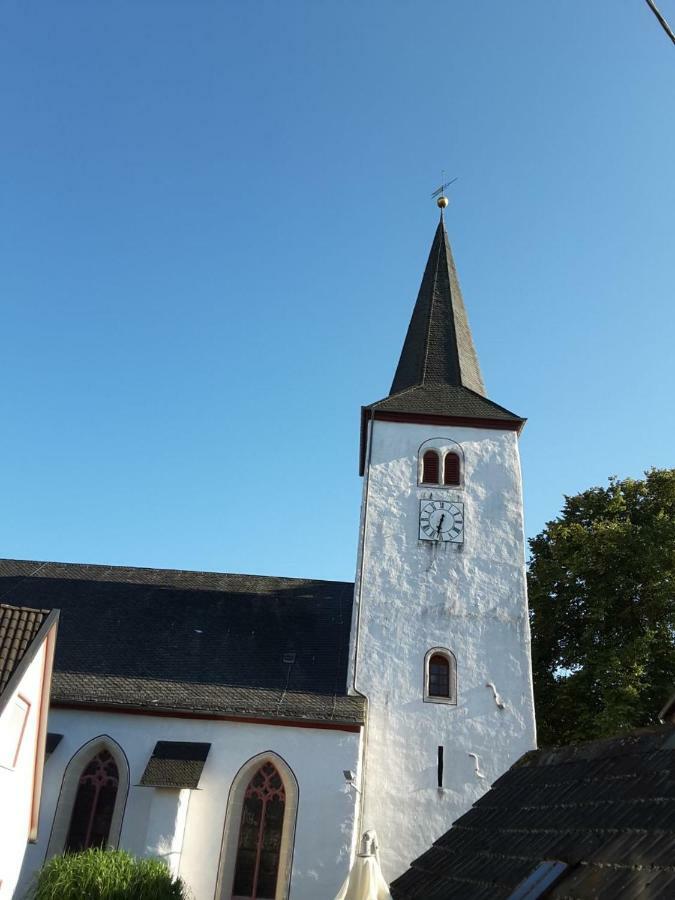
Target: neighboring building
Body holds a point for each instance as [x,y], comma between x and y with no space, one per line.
[27,638]
[248,729]
[594,820]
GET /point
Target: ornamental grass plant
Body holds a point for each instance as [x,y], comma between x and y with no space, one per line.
[106,875]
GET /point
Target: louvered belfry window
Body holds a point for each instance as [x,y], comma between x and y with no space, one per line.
[451,469]
[439,676]
[430,467]
[262,821]
[94,804]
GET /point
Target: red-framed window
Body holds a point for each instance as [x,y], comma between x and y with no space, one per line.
[260,833]
[451,468]
[94,804]
[430,467]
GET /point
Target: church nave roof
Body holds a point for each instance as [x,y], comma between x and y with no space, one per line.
[247,646]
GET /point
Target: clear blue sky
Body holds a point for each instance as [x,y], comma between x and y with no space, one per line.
[215,217]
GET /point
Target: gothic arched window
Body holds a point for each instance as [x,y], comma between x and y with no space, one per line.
[260,833]
[440,676]
[94,804]
[451,468]
[430,467]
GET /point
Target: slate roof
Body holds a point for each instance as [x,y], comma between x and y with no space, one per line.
[175,764]
[438,347]
[196,642]
[606,808]
[19,626]
[438,372]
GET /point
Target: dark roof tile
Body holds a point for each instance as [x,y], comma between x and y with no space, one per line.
[19,626]
[203,642]
[438,372]
[607,808]
[175,764]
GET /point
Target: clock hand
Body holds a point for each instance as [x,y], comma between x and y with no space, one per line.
[440,523]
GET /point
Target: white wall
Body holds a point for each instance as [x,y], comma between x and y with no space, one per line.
[323,839]
[417,595]
[16,781]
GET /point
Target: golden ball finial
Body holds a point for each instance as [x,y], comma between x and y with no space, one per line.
[442,202]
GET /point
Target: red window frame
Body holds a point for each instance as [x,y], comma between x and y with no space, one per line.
[264,794]
[431,467]
[95,802]
[451,468]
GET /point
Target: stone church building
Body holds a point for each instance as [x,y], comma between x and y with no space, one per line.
[247,729]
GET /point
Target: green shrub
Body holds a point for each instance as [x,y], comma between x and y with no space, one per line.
[106,875]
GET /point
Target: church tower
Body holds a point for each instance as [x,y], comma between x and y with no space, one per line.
[440,635]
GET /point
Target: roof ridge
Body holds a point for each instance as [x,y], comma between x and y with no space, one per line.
[204,572]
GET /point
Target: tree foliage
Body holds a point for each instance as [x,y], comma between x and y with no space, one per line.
[602,608]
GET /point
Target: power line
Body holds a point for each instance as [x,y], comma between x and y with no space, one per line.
[666,27]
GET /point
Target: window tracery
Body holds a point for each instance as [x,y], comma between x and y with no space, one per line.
[260,835]
[94,804]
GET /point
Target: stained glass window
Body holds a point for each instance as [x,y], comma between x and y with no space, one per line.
[94,804]
[262,821]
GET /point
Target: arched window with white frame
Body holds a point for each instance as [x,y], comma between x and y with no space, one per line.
[440,676]
[91,802]
[259,835]
[441,463]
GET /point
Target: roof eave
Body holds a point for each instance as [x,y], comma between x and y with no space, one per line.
[370,413]
[337,723]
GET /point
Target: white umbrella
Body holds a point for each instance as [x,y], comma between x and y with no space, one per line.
[365,880]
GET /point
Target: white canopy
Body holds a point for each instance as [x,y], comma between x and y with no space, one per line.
[365,880]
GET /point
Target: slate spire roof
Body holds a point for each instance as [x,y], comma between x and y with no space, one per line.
[438,347]
[438,373]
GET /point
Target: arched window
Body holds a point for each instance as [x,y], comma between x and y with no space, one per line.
[440,676]
[93,795]
[260,833]
[451,468]
[94,804]
[430,467]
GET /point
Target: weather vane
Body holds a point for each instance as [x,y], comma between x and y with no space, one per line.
[441,200]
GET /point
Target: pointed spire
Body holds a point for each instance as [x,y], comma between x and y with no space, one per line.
[438,378]
[438,348]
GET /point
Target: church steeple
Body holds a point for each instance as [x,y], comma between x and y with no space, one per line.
[438,347]
[438,378]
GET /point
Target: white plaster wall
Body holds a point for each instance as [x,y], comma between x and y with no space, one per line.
[166,826]
[325,819]
[415,595]
[16,784]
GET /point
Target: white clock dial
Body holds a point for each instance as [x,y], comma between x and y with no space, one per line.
[441,520]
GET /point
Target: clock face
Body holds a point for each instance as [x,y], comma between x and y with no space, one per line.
[441,520]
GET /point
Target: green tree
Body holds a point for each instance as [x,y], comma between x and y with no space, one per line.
[602,609]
